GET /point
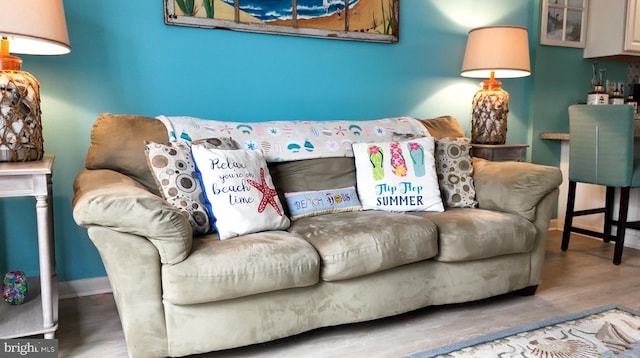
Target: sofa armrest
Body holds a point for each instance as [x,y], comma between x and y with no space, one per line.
[111,199]
[513,187]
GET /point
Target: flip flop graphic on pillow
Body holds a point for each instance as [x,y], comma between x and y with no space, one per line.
[417,156]
[397,160]
[376,157]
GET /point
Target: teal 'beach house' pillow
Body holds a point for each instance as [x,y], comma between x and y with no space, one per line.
[311,203]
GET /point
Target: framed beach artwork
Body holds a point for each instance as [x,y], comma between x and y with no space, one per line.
[361,20]
[564,23]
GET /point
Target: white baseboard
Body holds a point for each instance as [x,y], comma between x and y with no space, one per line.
[84,287]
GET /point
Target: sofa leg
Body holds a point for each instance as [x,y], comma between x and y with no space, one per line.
[527,291]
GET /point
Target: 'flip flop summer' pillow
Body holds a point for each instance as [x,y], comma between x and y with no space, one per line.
[397,176]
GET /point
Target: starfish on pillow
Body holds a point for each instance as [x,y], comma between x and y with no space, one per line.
[268,194]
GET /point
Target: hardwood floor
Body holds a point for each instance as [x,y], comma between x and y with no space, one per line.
[573,281]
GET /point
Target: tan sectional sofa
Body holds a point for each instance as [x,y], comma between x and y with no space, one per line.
[179,295]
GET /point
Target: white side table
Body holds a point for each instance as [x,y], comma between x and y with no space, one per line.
[39,313]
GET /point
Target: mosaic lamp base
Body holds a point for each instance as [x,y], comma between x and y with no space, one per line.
[490,108]
[20,120]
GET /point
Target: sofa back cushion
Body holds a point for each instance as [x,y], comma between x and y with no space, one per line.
[117,143]
[312,175]
[443,126]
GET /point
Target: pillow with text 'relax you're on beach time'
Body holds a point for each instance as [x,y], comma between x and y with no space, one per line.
[238,191]
[397,176]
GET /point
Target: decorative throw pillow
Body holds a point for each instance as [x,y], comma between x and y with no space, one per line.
[238,191]
[175,176]
[397,176]
[311,203]
[455,172]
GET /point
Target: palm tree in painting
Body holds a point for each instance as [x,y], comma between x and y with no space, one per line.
[186,6]
[208,8]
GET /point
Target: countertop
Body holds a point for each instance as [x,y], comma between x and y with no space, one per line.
[565,135]
[555,136]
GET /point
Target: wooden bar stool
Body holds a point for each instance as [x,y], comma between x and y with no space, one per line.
[601,151]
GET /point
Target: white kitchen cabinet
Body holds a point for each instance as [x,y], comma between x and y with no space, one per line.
[613,30]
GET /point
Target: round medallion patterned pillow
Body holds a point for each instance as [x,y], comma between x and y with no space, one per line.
[454,167]
[173,170]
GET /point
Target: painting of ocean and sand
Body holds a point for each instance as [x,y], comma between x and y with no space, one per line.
[367,20]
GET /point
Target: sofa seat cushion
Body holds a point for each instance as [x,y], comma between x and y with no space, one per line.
[245,265]
[354,244]
[471,234]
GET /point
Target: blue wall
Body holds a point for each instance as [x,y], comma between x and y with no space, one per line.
[126,60]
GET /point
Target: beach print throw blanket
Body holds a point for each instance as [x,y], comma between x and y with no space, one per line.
[294,140]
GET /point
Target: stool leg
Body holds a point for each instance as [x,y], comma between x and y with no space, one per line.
[608,213]
[568,216]
[622,225]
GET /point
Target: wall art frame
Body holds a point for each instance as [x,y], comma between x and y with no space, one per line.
[365,20]
[564,23]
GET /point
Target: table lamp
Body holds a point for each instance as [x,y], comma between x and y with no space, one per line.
[494,52]
[34,27]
